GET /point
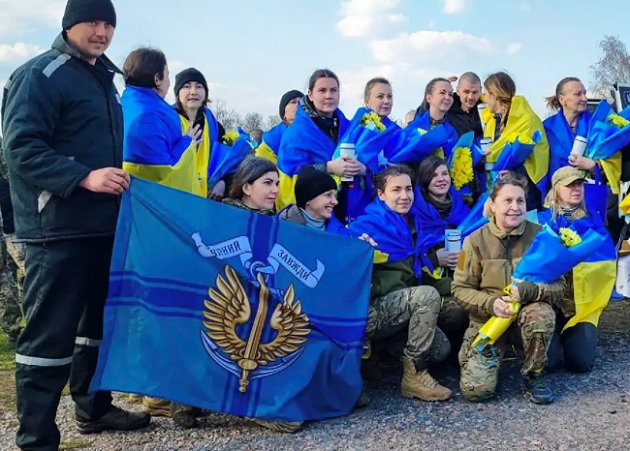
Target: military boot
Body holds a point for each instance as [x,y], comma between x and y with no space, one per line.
[420,384]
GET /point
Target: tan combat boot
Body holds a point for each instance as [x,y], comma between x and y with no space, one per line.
[420,384]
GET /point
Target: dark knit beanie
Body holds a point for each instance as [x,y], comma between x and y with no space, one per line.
[78,11]
[286,98]
[188,75]
[310,184]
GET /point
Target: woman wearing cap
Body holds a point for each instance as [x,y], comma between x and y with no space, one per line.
[398,303]
[313,137]
[508,118]
[484,269]
[575,336]
[439,207]
[155,147]
[271,140]
[191,100]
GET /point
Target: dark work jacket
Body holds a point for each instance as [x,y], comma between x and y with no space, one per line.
[61,119]
[464,122]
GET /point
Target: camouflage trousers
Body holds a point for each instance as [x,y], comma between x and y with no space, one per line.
[414,310]
[10,308]
[451,325]
[532,330]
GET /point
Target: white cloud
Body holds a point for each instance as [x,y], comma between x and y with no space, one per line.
[363,17]
[514,47]
[454,6]
[15,14]
[18,53]
[430,45]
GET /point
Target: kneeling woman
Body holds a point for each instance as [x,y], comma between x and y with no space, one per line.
[316,198]
[255,186]
[484,269]
[578,343]
[398,303]
[440,207]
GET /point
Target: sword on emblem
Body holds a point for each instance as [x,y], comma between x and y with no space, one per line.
[229,306]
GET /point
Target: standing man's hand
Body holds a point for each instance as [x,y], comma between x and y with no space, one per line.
[106,180]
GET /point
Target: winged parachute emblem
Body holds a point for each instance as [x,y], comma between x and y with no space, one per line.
[230,307]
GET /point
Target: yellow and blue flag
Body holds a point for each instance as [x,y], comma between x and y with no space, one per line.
[523,132]
[594,277]
[604,141]
[303,143]
[154,147]
[270,145]
[228,310]
[432,223]
[420,141]
[395,234]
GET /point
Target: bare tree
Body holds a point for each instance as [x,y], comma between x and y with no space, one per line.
[228,117]
[613,66]
[252,121]
[272,121]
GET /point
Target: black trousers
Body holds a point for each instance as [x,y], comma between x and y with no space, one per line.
[578,345]
[65,289]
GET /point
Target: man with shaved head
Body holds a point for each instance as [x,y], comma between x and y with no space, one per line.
[463,115]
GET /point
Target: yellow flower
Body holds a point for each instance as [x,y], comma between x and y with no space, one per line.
[437,273]
[230,137]
[462,170]
[372,118]
[618,121]
[569,237]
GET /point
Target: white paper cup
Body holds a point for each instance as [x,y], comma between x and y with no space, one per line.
[452,240]
[347,150]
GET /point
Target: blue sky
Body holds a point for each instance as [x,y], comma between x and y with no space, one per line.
[251,52]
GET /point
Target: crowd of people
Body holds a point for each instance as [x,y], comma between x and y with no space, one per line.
[72,146]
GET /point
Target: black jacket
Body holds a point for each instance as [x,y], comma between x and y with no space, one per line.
[61,119]
[462,121]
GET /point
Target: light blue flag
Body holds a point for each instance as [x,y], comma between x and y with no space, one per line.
[225,309]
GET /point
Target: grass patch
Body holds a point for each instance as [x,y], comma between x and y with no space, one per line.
[7,376]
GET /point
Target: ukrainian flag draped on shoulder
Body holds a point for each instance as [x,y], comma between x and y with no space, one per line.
[561,139]
[593,278]
[522,142]
[433,226]
[239,316]
[392,233]
[302,144]
[154,147]
[421,141]
[270,145]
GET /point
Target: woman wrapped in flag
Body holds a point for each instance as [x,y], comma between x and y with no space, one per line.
[430,132]
[313,137]
[518,137]
[484,270]
[573,122]
[217,159]
[398,302]
[439,207]
[589,284]
[155,147]
[271,139]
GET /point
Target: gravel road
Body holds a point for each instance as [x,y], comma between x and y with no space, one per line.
[592,413]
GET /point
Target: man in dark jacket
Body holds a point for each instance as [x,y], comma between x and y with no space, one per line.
[463,115]
[10,310]
[62,124]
